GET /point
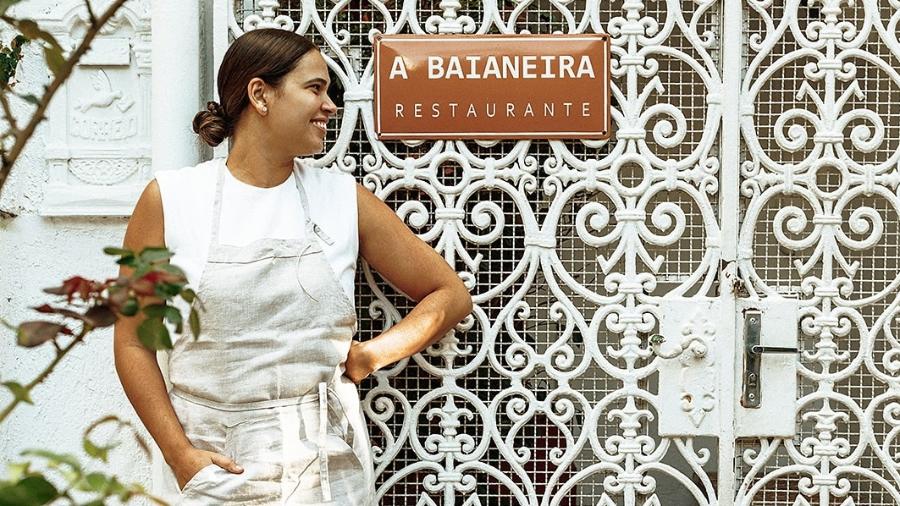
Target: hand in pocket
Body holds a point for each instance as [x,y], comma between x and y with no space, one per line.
[192,461]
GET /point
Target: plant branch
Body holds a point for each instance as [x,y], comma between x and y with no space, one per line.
[22,137]
[61,352]
[90,10]
[7,112]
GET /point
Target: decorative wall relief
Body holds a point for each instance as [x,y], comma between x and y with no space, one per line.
[98,145]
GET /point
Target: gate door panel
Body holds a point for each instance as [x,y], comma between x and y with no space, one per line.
[818,180]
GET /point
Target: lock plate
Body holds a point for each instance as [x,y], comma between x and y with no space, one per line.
[767,378]
[700,342]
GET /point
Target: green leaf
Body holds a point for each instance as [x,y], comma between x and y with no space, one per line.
[188,295]
[53,52]
[173,269]
[117,296]
[130,308]
[55,59]
[9,60]
[94,482]
[127,261]
[173,315]
[170,313]
[31,99]
[140,270]
[96,451]
[30,29]
[35,333]
[119,252]
[168,290]
[54,458]
[155,254]
[126,493]
[155,310]
[15,471]
[154,335]
[194,320]
[18,391]
[126,256]
[119,424]
[30,491]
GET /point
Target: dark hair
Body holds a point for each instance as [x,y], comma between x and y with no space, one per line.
[266,53]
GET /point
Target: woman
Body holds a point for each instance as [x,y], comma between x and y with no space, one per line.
[263,407]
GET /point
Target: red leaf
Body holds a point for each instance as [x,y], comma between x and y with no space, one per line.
[47,308]
[143,287]
[76,284]
[100,316]
[146,284]
[157,277]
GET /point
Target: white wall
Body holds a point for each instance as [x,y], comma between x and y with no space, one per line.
[40,251]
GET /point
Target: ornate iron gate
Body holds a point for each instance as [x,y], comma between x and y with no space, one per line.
[753,161]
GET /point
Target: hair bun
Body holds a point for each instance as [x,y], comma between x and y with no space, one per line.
[215,108]
[211,124]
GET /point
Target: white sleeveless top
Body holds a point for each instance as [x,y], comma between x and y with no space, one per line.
[250,213]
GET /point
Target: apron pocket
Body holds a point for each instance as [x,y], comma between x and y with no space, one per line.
[198,477]
[338,422]
[279,453]
[256,445]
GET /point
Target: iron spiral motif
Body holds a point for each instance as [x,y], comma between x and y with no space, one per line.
[545,395]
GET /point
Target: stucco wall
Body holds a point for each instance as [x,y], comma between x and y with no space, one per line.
[37,252]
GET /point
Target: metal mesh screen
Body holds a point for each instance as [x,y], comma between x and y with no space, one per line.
[428,396]
[863,417]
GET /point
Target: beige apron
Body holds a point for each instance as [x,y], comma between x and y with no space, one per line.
[264,383]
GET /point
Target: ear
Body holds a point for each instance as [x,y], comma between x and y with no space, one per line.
[257,92]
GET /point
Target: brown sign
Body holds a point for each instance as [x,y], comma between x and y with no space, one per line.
[492,87]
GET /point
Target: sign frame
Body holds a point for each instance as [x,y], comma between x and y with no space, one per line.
[602,134]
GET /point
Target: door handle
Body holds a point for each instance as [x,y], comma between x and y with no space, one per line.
[772,349]
[753,351]
[693,344]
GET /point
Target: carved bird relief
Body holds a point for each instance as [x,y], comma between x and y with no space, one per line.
[104,95]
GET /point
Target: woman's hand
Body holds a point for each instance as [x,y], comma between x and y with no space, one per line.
[360,362]
[193,460]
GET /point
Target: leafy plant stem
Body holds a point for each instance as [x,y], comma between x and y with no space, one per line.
[60,353]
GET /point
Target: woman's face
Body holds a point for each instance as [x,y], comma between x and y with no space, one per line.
[301,108]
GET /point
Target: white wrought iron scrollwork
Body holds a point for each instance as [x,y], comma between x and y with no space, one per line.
[473,443]
[820,177]
[544,394]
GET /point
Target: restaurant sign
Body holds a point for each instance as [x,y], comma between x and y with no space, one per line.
[492,87]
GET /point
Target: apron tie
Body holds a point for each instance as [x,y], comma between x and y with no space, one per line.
[323,450]
[298,273]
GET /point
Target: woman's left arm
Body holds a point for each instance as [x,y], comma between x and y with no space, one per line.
[413,267]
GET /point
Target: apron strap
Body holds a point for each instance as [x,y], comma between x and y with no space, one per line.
[323,449]
[311,227]
[217,204]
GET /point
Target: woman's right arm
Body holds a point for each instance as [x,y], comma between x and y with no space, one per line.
[137,367]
